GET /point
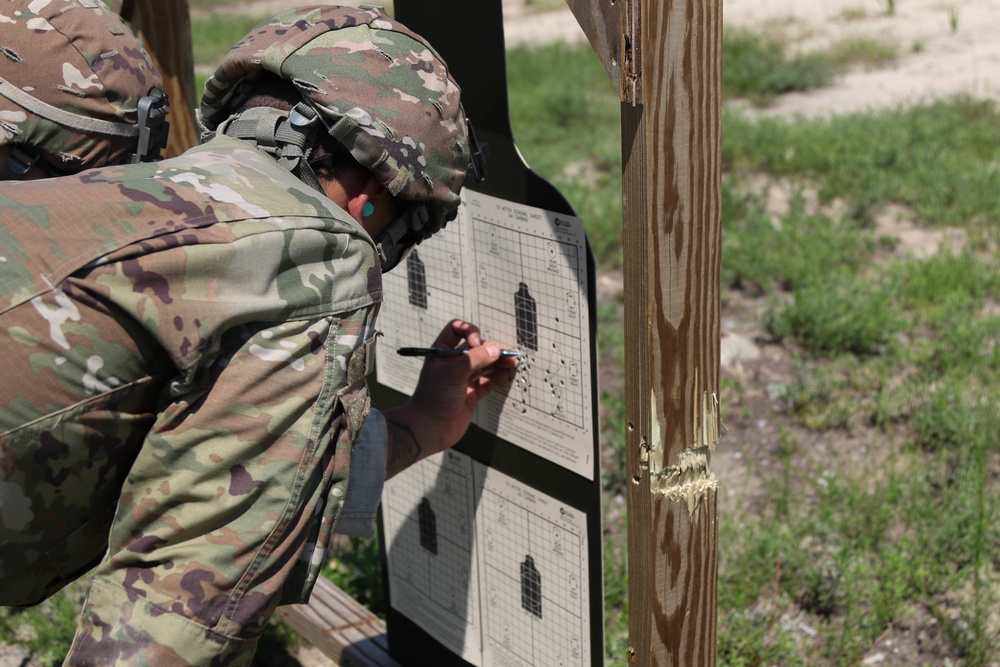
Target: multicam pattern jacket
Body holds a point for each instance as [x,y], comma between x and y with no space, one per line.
[183,347]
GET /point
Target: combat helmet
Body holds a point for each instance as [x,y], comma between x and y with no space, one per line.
[77,90]
[370,83]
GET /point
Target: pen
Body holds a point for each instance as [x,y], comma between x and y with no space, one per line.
[445,352]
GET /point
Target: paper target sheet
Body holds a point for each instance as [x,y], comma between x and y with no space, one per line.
[520,274]
[428,512]
[510,589]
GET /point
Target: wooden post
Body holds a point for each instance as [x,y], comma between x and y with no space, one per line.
[671,143]
[668,58]
[164,26]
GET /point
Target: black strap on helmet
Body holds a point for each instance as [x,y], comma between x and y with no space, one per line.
[153,126]
[402,234]
[20,161]
[287,136]
[17,164]
[478,153]
[151,129]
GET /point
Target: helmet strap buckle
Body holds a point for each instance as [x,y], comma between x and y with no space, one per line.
[17,164]
[302,115]
[153,126]
[479,151]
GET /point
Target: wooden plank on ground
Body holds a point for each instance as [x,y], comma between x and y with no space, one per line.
[342,628]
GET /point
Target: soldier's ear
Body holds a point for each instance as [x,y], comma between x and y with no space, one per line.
[360,207]
[372,206]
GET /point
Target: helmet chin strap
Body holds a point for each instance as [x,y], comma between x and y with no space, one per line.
[17,164]
[287,136]
[402,234]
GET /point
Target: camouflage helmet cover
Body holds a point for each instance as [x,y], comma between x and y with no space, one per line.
[71,76]
[380,90]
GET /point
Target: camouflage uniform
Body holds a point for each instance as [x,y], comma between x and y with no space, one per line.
[183,350]
[185,347]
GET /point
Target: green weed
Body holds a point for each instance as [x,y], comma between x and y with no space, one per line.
[46,630]
[615,593]
[611,349]
[355,567]
[839,315]
[853,13]
[213,35]
[757,67]
[866,51]
[907,345]
[762,254]
[838,395]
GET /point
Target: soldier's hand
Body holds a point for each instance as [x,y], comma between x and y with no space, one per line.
[441,408]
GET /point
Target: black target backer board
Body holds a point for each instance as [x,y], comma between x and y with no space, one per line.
[492,550]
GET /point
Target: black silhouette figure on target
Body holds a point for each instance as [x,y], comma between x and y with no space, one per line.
[428,526]
[526,312]
[416,280]
[531,587]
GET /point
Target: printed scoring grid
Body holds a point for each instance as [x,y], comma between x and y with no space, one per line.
[529,292]
[433,546]
[425,292]
[533,576]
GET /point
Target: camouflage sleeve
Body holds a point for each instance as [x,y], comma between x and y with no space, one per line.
[221,509]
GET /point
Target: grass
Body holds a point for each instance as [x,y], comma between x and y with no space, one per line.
[907,346]
[938,159]
[865,51]
[212,37]
[558,116]
[758,67]
[356,567]
[856,13]
[45,630]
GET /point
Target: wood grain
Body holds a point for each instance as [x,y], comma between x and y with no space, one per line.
[339,626]
[611,29]
[672,250]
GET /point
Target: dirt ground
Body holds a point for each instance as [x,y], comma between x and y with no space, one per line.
[946,47]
